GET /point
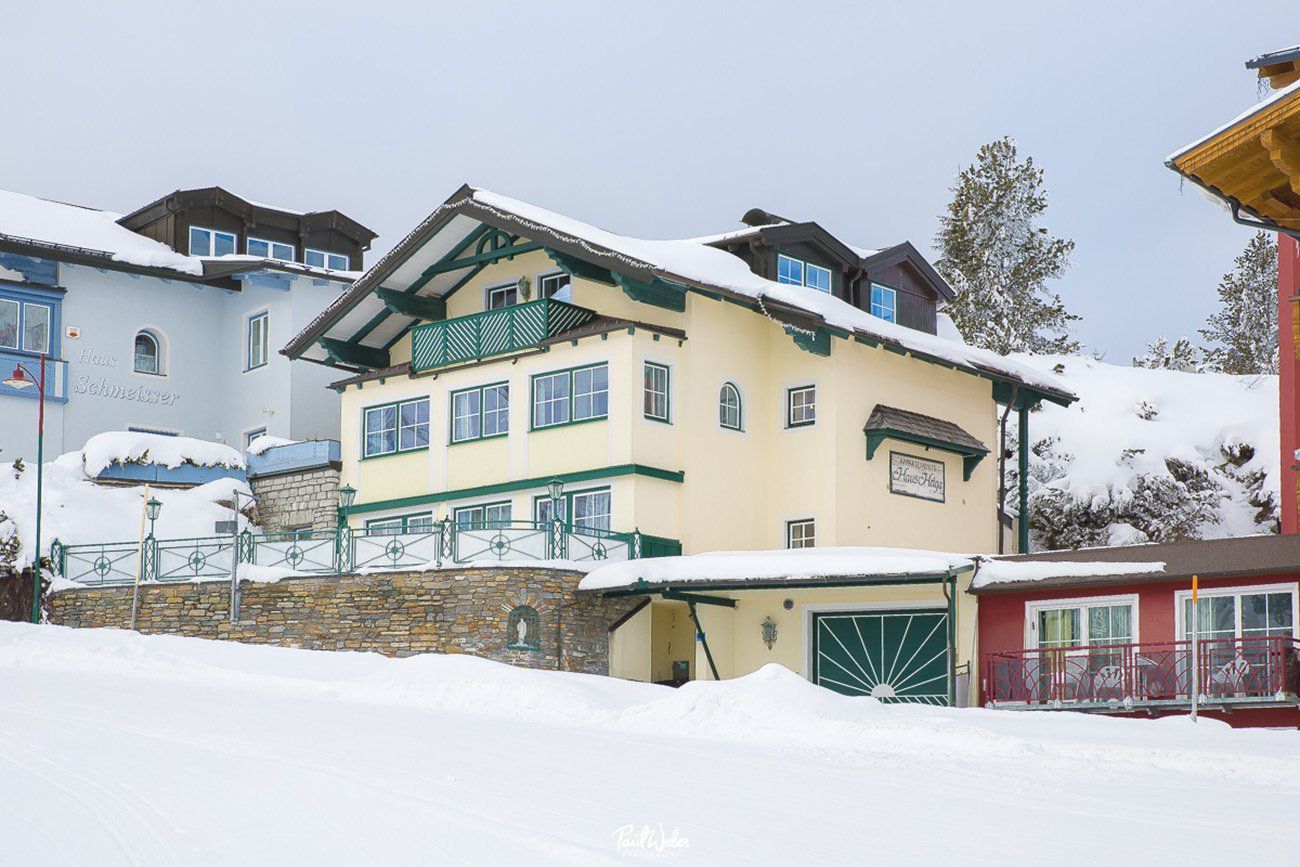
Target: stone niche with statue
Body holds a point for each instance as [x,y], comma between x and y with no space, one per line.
[522,615]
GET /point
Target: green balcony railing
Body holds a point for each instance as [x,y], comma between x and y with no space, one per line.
[493,332]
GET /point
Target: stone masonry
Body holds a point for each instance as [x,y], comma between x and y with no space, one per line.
[298,499]
[396,614]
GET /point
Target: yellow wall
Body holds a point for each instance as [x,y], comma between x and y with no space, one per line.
[672,639]
[629,648]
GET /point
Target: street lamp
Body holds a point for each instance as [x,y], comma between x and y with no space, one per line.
[152,508]
[20,379]
[556,489]
[347,496]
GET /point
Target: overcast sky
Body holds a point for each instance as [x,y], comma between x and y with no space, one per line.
[659,119]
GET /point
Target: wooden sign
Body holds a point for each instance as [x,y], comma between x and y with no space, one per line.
[916,477]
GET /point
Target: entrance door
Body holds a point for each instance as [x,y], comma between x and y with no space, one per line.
[895,655]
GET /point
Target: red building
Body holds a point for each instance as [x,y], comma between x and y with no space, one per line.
[1116,640]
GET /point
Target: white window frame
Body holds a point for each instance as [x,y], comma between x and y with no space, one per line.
[270,248]
[508,505]
[427,424]
[21,306]
[893,305]
[567,499]
[251,434]
[1181,597]
[799,262]
[790,423]
[18,323]
[160,342]
[804,267]
[740,407]
[830,277]
[1082,602]
[264,316]
[510,287]
[212,239]
[789,525]
[647,391]
[550,275]
[326,255]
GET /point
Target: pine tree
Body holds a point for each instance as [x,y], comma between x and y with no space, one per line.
[1243,333]
[998,259]
[1183,356]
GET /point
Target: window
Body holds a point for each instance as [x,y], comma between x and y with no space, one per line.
[29,319]
[396,427]
[506,295]
[210,242]
[269,249]
[326,259]
[801,406]
[418,523]
[1082,623]
[257,342]
[250,435]
[1239,612]
[656,392]
[801,533]
[484,517]
[548,285]
[479,413]
[799,273]
[729,407]
[884,302]
[590,509]
[581,394]
[148,353]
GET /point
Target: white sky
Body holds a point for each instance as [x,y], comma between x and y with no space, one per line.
[659,119]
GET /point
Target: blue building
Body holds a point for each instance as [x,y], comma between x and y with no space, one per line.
[168,319]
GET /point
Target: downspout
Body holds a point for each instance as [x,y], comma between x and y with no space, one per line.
[1023,541]
[1002,468]
[699,634]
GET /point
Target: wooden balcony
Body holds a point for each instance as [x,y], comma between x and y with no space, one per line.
[491,333]
[1254,671]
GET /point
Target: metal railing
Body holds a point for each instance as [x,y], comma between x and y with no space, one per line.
[333,552]
[1246,670]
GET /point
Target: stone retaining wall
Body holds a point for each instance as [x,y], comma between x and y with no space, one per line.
[298,499]
[397,614]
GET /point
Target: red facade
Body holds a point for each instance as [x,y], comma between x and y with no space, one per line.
[1003,635]
[1288,273]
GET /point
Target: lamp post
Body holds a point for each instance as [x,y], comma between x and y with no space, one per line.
[347,496]
[555,488]
[343,536]
[152,508]
[20,379]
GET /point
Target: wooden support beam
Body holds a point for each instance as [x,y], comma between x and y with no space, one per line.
[575,267]
[657,292]
[354,353]
[1285,154]
[418,306]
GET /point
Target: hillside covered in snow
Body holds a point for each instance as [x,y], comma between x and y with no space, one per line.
[1151,455]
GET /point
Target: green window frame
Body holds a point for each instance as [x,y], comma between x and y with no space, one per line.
[482,516]
[593,518]
[395,428]
[570,396]
[801,533]
[656,400]
[416,522]
[801,406]
[479,413]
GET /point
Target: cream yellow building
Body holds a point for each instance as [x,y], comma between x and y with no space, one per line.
[763,389]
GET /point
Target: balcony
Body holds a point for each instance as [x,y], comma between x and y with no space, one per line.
[56,375]
[493,332]
[1255,671]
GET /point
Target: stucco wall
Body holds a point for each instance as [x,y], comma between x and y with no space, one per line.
[396,614]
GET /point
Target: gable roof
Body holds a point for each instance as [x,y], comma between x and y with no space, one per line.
[88,236]
[889,418]
[418,265]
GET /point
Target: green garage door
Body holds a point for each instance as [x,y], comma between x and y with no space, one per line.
[893,655]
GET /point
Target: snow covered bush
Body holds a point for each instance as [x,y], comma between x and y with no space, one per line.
[1151,455]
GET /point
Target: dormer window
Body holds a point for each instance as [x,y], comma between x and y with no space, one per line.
[797,272]
[210,242]
[326,259]
[270,249]
[884,302]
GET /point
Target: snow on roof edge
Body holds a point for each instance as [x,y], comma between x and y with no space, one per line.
[1255,109]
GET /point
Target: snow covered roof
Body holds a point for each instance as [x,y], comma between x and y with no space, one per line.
[134,447]
[1271,58]
[1247,556]
[1264,104]
[687,263]
[743,569]
[54,228]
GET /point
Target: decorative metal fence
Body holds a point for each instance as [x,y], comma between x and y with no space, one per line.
[1229,670]
[346,550]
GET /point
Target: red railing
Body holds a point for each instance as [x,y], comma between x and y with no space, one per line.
[1228,670]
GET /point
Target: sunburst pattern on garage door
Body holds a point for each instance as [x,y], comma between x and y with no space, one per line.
[895,656]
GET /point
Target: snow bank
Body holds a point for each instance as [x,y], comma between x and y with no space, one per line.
[794,565]
[266,441]
[130,447]
[995,571]
[1131,424]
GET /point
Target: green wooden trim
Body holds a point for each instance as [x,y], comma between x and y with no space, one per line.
[667,417]
[418,306]
[451,414]
[397,430]
[698,598]
[922,579]
[676,476]
[576,267]
[971,457]
[818,343]
[789,406]
[658,292]
[532,397]
[354,353]
[1022,419]
[485,257]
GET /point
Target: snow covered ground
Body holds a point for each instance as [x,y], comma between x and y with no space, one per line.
[125,749]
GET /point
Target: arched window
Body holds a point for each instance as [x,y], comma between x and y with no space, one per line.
[148,353]
[729,407]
